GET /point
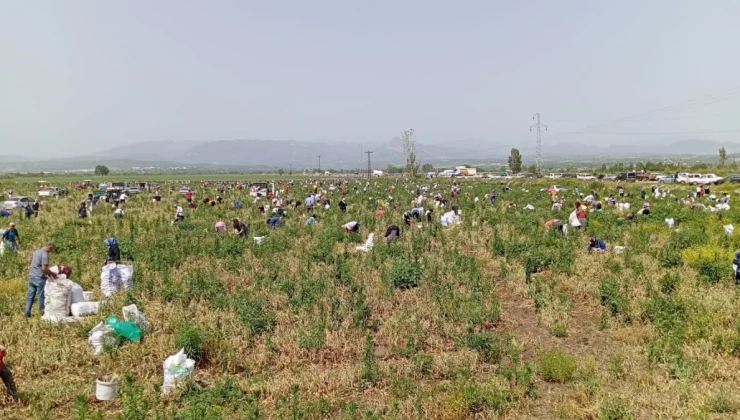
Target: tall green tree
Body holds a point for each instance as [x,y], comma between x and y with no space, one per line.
[722,157]
[101,170]
[427,167]
[515,161]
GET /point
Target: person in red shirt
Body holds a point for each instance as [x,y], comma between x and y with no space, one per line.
[189,196]
[581,214]
[7,376]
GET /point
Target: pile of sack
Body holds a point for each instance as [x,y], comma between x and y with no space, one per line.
[114,277]
[64,300]
[107,334]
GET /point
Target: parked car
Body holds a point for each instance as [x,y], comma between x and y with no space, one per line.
[688,178]
[52,192]
[16,202]
[555,176]
[627,176]
[730,178]
[133,190]
[705,179]
[607,177]
[585,177]
[184,190]
[667,179]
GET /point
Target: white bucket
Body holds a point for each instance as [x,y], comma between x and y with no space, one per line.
[106,388]
[88,296]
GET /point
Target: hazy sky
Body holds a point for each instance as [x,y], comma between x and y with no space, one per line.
[81,76]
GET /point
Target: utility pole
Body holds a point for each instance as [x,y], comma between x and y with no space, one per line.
[369,167]
[538,156]
[290,171]
[319,156]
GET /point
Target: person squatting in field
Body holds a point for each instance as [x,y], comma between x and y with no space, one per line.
[6,375]
[114,252]
[392,233]
[596,244]
[352,226]
[240,228]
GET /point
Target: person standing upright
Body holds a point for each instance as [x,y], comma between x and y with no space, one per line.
[10,237]
[37,276]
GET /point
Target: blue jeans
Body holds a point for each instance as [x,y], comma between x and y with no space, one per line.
[13,245]
[35,288]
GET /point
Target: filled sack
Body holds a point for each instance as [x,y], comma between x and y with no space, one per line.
[177,368]
[82,309]
[101,337]
[56,299]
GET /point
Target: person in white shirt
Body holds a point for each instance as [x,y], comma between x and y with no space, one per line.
[352,226]
[179,214]
[118,213]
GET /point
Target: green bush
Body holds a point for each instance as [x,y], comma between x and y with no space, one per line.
[556,366]
[613,297]
[405,274]
[669,282]
[490,347]
[252,313]
[191,338]
[616,409]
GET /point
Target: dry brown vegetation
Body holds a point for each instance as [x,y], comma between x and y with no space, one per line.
[507,320]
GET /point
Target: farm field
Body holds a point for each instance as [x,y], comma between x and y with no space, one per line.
[494,318]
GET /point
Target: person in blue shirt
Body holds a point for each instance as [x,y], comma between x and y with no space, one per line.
[596,244]
[238,204]
[5,213]
[10,237]
[309,203]
[736,263]
[273,221]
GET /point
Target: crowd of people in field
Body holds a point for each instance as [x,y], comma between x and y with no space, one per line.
[277,203]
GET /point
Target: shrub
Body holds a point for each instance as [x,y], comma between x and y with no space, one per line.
[616,409]
[556,366]
[490,347]
[669,282]
[405,274]
[252,313]
[191,338]
[613,297]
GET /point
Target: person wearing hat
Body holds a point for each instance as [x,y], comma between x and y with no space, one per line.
[114,252]
[37,276]
[10,237]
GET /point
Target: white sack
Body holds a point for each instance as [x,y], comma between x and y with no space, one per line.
[729,229]
[82,309]
[56,300]
[131,313]
[101,336]
[671,223]
[176,369]
[76,294]
[110,279]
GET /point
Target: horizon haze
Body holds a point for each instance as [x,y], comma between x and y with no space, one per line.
[82,77]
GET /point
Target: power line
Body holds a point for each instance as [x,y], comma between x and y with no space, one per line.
[662,132]
[369,170]
[538,155]
[702,101]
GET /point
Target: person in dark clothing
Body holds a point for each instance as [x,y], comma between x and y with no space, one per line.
[343,205]
[429,214]
[408,218]
[392,233]
[736,263]
[240,228]
[7,376]
[273,222]
[114,252]
[82,211]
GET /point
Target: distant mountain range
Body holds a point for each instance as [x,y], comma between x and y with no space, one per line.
[255,154]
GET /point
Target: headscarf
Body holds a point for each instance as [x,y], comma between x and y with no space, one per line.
[111,242]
